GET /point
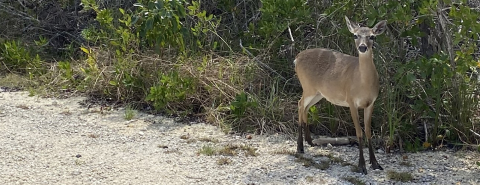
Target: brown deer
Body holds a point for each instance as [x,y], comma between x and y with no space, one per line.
[343,80]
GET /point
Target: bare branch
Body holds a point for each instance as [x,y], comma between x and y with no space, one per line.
[261,63]
[290,33]
[474,133]
[13,11]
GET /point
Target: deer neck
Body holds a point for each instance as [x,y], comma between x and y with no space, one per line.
[368,72]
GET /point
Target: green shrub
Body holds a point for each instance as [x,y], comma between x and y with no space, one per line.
[241,104]
[159,23]
[171,88]
[17,58]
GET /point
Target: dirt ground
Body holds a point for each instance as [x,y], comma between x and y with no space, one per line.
[59,141]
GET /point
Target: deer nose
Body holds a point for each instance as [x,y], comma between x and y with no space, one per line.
[362,48]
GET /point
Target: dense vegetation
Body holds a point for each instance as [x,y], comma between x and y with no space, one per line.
[230,61]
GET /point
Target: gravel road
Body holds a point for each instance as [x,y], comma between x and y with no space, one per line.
[59,141]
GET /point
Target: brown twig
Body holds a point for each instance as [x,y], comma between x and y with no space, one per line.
[261,63]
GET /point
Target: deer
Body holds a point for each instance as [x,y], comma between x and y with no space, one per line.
[343,80]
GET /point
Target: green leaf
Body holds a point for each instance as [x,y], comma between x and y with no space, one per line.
[114,43]
[371,22]
[114,83]
[191,8]
[410,77]
[151,5]
[135,19]
[149,24]
[159,4]
[85,50]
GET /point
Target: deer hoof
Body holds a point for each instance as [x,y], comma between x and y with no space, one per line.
[362,169]
[300,150]
[376,166]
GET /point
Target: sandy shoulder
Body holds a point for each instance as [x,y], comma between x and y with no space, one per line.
[58,141]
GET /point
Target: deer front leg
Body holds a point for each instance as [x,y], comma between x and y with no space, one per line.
[301,116]
[368,132]
[308,138]
[358,130]
[300,148]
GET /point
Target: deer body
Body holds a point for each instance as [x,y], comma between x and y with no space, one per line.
[332,69]
[342,80]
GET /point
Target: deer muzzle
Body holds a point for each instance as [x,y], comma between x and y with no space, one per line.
[362,48]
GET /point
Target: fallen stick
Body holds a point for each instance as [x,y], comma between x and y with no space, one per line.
[335,141]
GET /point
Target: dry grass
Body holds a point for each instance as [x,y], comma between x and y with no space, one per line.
[66,112]
[79,162]
[228,151]
[93,135]
[224,161]
[184,136]
[22,107]
[219,79]
[207,139]
[191,141]
[172,151]
[249,151]
[399,176]
[15,81]
[354,168]
[405,163]
[231,150]
[331,157]
[207,150]
[129,113]
[283,152]
[310,162]
[309,179]
[354,180]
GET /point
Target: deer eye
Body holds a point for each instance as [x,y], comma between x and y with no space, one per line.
[355,37]
[372,37]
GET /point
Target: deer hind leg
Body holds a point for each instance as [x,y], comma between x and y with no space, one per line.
[303,105]
[358,130]
[368,132]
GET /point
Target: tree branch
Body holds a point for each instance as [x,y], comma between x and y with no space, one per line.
[261,63]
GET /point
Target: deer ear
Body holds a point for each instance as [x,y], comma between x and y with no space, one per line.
[380,27]
[351,25]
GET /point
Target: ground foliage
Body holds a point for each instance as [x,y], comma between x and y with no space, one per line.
[230,61]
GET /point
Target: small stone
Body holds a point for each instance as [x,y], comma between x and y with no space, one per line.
[329,146]
[380,151]
[78,156]
[249,136]
[141,133]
